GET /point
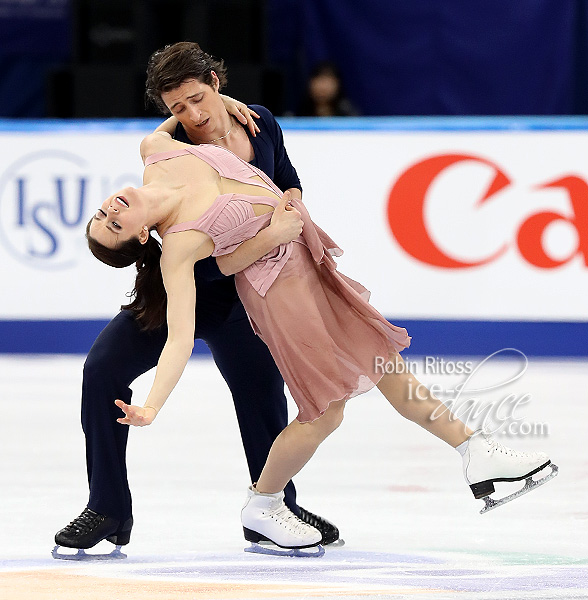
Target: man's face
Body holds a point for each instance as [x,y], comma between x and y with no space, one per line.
[198,107]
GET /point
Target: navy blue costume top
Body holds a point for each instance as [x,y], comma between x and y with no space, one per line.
[216,292]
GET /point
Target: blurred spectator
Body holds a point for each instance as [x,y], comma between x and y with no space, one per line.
[324,94]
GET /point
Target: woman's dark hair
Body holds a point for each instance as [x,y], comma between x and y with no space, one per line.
[149,302]
[171,66]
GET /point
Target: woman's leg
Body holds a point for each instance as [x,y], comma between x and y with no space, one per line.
[265,516]
[294,447]
[260,404]
[485,461]
[416,403]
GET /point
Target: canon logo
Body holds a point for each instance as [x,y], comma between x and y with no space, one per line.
[406,216]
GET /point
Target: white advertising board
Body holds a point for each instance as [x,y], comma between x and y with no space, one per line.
[438,224]
[459,225]
[50,186]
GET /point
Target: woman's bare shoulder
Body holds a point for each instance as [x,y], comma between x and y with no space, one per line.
[159,141]
[189,245]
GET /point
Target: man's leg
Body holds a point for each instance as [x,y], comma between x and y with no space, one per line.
[119,355]
[257,388]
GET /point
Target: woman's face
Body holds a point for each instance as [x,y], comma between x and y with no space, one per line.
[198,107]
[121,217]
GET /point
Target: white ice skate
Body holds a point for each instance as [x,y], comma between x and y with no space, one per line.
[265,517]
[486,461]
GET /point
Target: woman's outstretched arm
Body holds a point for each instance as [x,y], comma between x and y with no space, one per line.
[177,267]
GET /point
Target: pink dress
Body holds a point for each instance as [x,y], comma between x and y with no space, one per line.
[317,323]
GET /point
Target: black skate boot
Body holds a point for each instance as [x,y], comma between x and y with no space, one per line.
[330,532]
[89,529]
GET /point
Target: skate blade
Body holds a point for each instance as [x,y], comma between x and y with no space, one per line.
[116,554]
[339,543]
[530,485]
[316,552]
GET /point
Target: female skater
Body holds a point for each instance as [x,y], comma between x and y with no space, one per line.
[323,335]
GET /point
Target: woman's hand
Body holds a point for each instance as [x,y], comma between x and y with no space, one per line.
[286,222]
[136,415]
[242,113]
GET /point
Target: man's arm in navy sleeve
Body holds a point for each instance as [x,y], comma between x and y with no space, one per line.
[285,176]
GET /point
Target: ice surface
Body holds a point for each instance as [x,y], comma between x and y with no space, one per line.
[410,523]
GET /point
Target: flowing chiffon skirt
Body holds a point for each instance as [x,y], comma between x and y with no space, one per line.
[323,335]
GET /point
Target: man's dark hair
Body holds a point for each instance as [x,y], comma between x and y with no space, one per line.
[170,67]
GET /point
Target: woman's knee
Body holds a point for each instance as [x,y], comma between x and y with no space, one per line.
[332,417]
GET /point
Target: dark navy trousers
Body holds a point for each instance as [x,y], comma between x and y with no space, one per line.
[122,352]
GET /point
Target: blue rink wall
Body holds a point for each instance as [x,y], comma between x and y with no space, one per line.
[470,330]
[429,337]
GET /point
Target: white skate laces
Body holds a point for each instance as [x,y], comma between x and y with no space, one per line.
[494,446]
[286,519]
[486,461]
[265,517]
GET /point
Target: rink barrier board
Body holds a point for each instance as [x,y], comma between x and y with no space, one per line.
[429,337]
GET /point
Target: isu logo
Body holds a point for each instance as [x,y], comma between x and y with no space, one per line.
[46,198]
[406,216]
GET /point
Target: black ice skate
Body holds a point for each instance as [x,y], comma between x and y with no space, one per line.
[89,529]
[330,532]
